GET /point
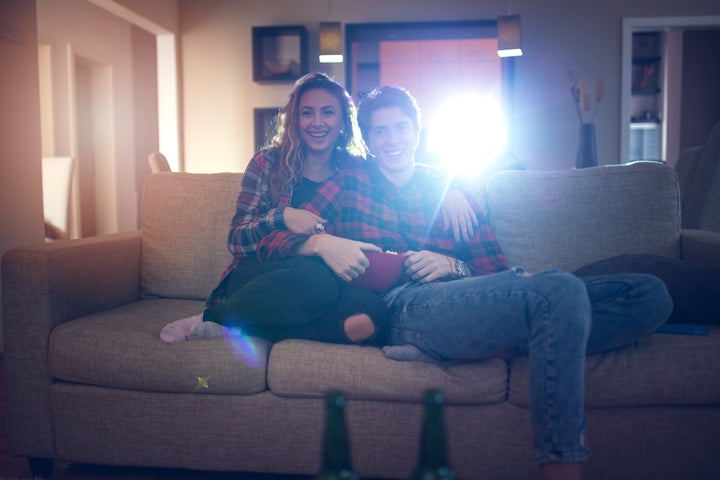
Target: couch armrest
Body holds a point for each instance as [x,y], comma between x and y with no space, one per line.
[701,248]
[42,287]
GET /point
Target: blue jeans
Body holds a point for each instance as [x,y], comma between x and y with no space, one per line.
[553,317]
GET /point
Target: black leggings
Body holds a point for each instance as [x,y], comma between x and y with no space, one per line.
[294,298]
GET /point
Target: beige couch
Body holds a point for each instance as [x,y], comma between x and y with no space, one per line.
[90,381]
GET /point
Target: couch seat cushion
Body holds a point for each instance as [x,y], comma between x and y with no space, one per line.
[300,368]
[121,348]
[663,369]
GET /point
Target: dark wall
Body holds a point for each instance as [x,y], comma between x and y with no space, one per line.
[700,86]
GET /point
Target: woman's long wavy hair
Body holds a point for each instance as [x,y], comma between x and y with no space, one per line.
[288,142]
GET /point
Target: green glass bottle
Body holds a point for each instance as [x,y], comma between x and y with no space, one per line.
[336,463]
[433,463]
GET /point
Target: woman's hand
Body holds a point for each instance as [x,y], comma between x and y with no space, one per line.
[458,214]
[425,266]
[344,257]
[298,220]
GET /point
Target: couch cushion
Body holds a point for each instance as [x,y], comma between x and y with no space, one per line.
[664,369]
[121,348]
[710,215]
[300,368]
[567,219]
[699,176]
[185,220]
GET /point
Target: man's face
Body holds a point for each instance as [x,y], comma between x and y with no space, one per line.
[393,140]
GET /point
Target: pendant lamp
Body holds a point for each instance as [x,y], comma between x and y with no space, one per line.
[508,36]
[331,42]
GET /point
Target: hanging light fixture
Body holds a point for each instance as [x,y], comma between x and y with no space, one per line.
[330,39]
[331,42]
[508,36]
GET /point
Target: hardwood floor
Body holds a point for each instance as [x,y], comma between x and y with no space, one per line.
[15,468]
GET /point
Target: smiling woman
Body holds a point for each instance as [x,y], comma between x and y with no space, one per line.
[277,295]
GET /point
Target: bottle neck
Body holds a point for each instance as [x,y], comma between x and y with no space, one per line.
[433,451]
[336,451]
[336,463]
[433,462]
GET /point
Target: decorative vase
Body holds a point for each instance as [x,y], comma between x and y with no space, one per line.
[587,147]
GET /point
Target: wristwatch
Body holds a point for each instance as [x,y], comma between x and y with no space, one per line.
[461,269]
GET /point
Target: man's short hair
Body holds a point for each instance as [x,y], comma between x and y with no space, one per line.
[383,97]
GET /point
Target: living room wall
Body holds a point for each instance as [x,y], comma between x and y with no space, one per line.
[219,94]
[20,179]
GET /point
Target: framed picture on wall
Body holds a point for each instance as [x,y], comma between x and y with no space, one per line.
[279,53]
[264,125]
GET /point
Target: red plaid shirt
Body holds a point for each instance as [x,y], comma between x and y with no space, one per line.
[256,215]
[362,204]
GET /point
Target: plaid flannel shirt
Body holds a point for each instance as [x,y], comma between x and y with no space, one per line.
[256,215]
[361,204]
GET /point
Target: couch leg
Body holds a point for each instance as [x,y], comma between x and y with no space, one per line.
[41,467]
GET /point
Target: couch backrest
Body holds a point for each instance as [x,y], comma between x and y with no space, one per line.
[567,219]
[185,220]
[559,219]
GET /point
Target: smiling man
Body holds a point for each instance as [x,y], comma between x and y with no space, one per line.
[465,304]
[462,302]
[395,136]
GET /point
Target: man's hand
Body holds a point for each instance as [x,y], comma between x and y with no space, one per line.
[344,257]
[457,213]
[425,266]
[298,220]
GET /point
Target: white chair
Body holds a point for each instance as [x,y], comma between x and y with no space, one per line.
[57,175]
[158,163]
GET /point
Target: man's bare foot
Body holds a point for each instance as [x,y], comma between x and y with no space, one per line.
[407,353]
[359,327]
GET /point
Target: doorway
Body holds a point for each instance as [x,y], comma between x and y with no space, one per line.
[669,125]
[94,206]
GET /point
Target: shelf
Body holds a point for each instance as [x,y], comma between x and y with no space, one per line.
[646,60]
[647,91]
[645,125]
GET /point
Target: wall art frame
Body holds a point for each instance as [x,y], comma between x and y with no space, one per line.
[279,53]
[264,122]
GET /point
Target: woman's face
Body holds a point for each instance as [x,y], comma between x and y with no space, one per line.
[319,119]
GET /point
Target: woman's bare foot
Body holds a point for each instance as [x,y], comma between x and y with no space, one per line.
[359,327]
[178,330]
[203,330]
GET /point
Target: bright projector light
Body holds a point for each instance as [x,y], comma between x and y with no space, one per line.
[467,132]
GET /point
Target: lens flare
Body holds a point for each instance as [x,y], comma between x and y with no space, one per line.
[242,346]
[468,132]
